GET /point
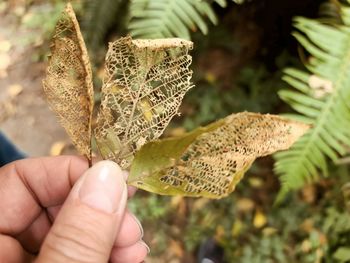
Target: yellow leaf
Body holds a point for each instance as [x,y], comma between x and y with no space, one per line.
[5,62]
[259,219]
[245,205]
[14,90]
[176,200]
[5,46]
[199,204]
[269,231]
[256,182]
[177,131]
[237,228]
[176,248]
[57,148]
[219,233]
[306,246]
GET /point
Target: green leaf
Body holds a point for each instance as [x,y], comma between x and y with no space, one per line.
[211,160]
[321,97]
[342,254]
[169,18]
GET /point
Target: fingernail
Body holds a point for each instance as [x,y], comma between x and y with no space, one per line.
[103,187]
[145,245]
[138,223]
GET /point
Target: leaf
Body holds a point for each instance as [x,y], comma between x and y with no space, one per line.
[5,62]
[145,81]
[211,160]
[68,82]
[14,90]
[5,46]
[259,219]
[342,254]
[57,148]
[321,97]
[169,18]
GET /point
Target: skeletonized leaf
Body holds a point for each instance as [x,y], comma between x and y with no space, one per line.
[68,82]
[145,81]
[211,160]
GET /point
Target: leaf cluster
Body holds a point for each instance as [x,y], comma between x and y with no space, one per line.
[321,97]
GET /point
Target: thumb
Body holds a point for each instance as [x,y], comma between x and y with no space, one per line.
[86,227]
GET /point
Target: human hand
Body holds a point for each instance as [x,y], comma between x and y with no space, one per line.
[53,209]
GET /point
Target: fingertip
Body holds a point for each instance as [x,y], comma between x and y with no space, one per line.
[130,231]
[135,253]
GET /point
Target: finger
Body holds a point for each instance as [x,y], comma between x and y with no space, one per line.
[12,251]
[89,220]
[53,211]
[130,232]
[131,189]
[32,237]
[37,183]
[131,254]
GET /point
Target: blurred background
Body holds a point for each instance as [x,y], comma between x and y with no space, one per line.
[241,51]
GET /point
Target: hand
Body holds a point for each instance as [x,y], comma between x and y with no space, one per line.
[53,209]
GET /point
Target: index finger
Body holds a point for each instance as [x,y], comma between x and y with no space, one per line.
[28,185]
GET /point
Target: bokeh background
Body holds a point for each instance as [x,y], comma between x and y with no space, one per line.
[240,51]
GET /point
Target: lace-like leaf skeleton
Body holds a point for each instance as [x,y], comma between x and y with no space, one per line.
[145,81]
[144,84]
[68,82]
[211,160]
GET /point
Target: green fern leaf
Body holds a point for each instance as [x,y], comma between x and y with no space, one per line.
[100,16]
[169,18]
[322,98]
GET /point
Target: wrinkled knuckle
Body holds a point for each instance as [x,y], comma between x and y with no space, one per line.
[74,244]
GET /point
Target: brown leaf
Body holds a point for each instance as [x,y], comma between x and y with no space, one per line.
[211,160]
[57,148]
[176,248]
[68,83]
[144,84]
[14,90]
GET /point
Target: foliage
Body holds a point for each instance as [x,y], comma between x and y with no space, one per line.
[43,18]
[210,161]
[100,16]
[321,98]
[299,230]
[167,18]
[145,81]
[316,231]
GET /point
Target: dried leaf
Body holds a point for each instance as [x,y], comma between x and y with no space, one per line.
[143,88]
[68,84]
[5,62]
[5,46]
[14,90]
[245,205]
[211,160]
[57,148]
[259,219]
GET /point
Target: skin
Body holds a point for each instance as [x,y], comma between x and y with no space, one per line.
[42,218]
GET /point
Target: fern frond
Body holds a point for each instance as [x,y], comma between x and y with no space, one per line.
[322,98]
[100,16]
[169,18]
